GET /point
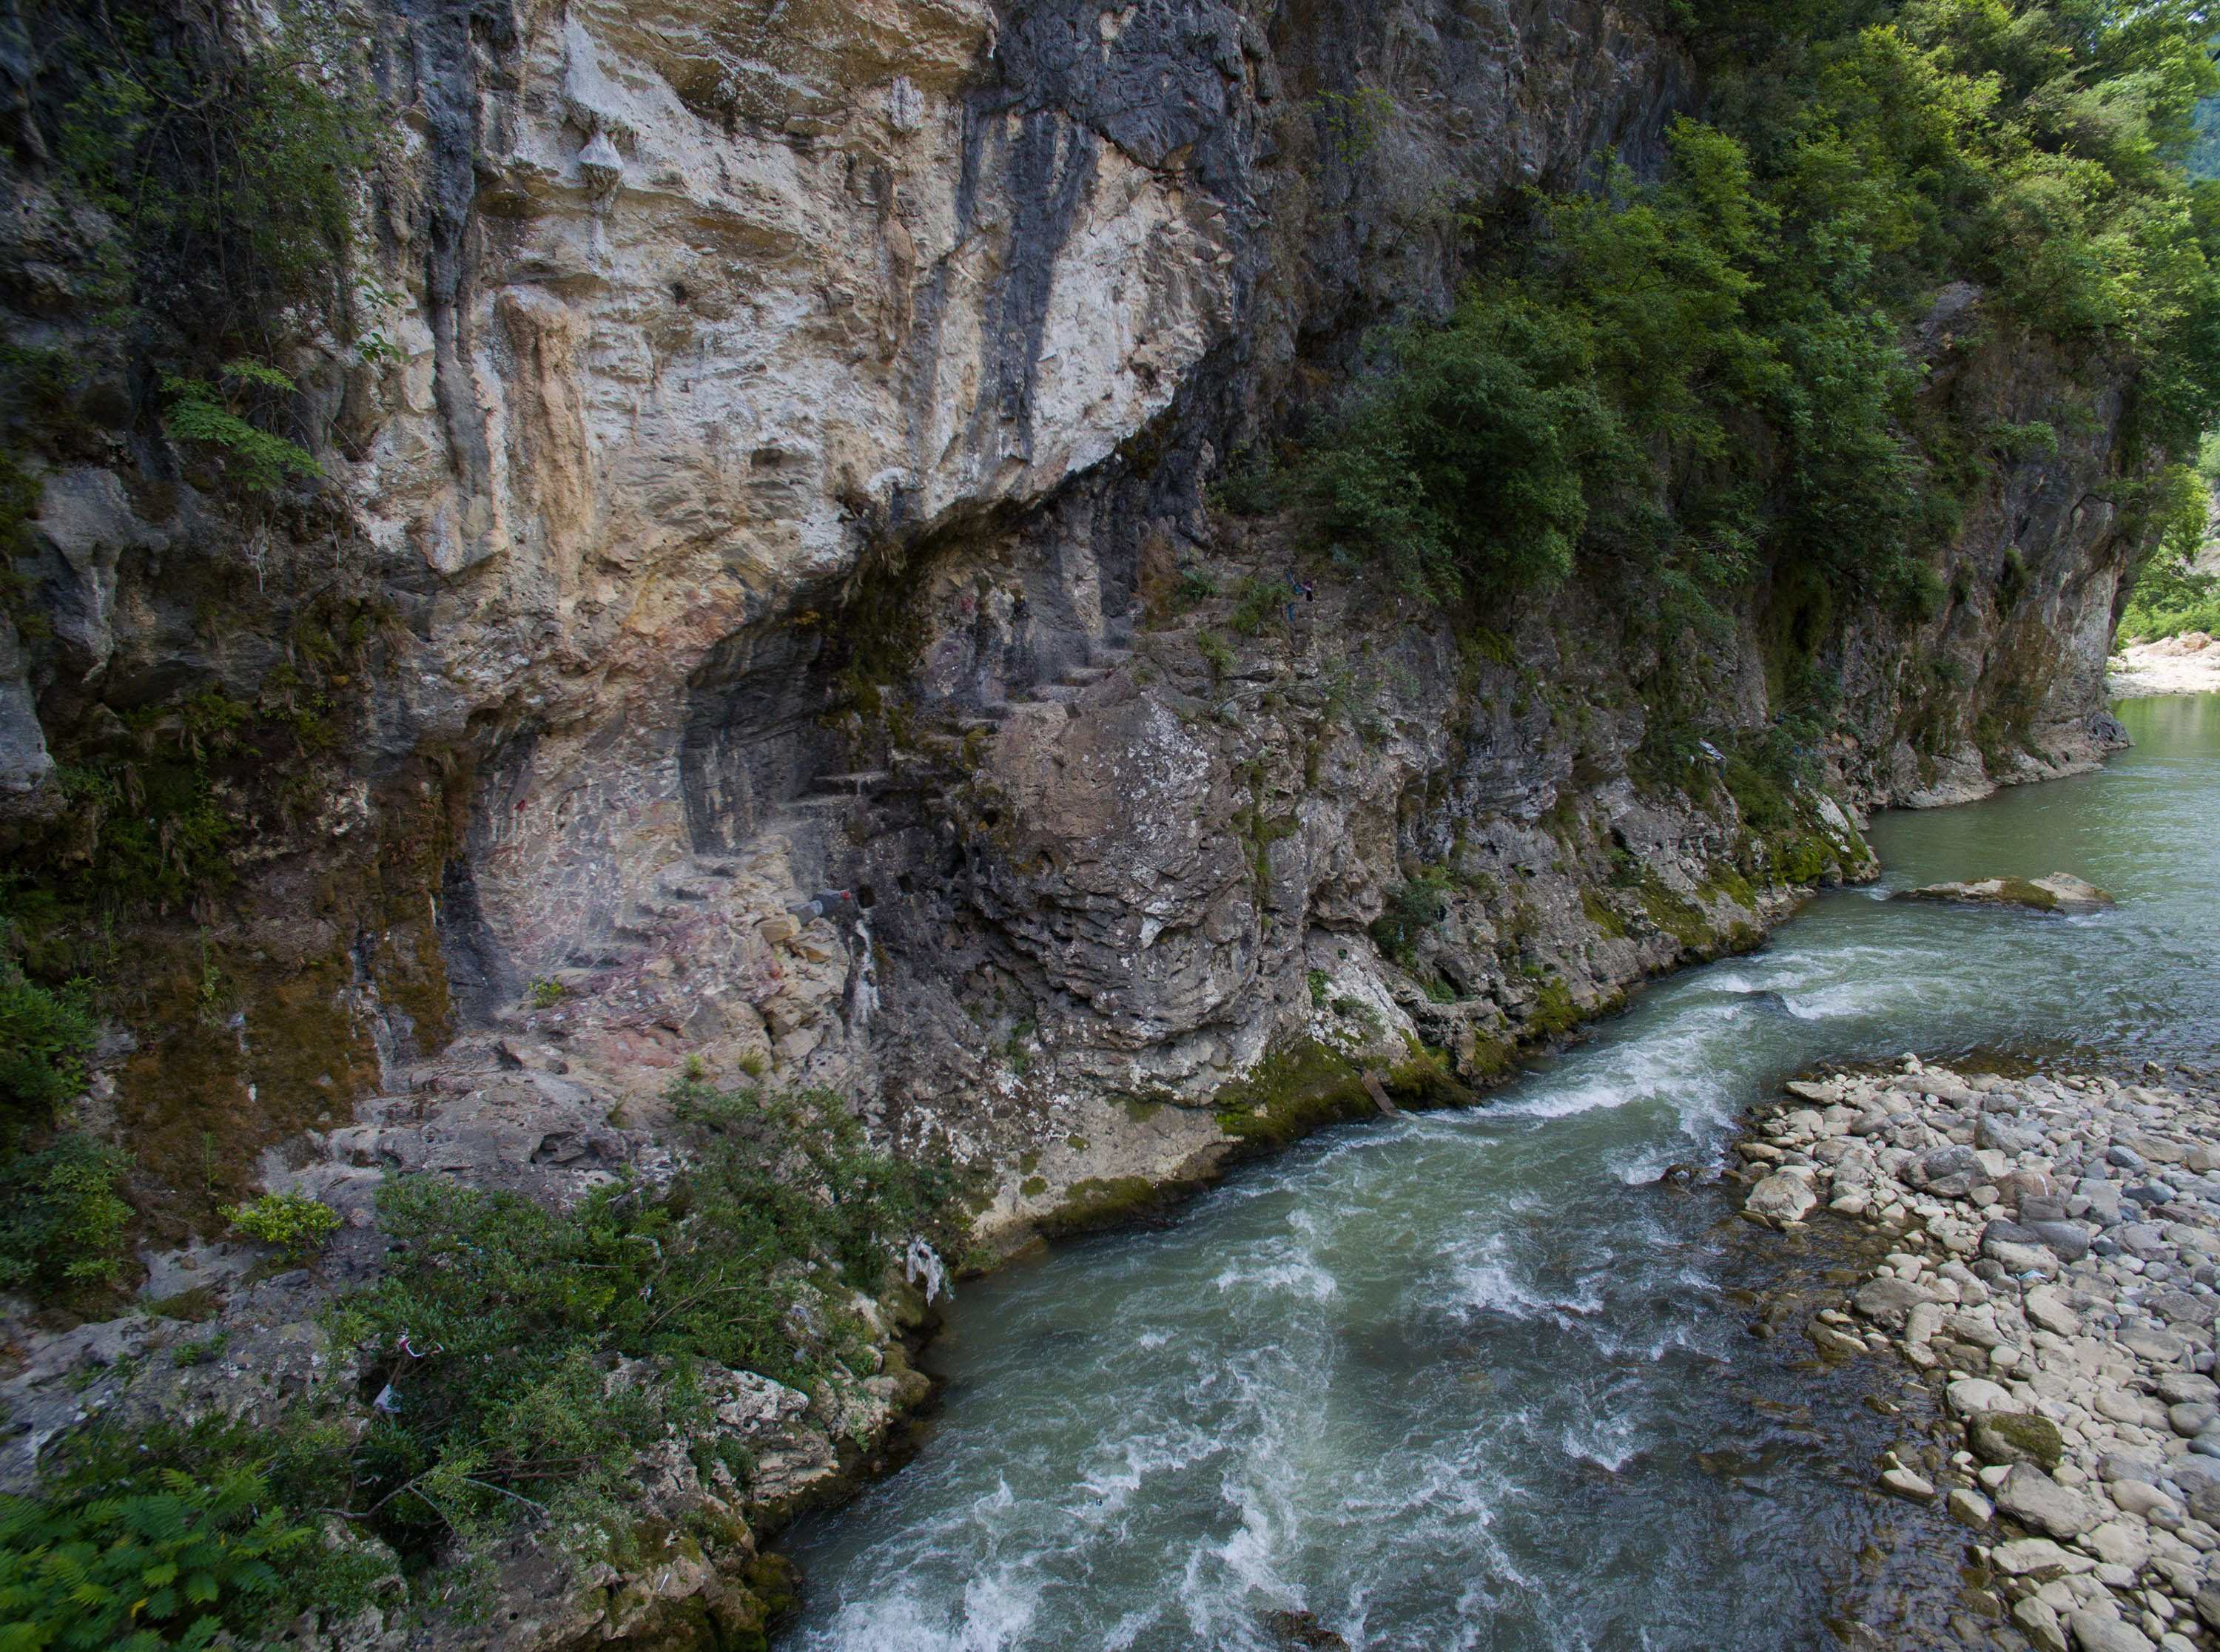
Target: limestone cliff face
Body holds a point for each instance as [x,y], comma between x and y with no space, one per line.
[794,481]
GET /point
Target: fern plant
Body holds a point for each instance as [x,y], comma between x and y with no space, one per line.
[199,412]
[175,1568]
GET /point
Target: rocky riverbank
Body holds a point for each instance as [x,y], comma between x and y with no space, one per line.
[2053,1284]
[2184,665]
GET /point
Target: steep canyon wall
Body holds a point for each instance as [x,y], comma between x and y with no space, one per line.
[792,476]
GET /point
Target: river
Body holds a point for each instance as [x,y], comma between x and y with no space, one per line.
[1461,1380]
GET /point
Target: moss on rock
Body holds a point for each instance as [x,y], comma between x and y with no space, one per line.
[2004,1436]
[1099,1202]
[1297,1088]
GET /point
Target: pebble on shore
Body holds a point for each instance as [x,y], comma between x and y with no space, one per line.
[2056,1281]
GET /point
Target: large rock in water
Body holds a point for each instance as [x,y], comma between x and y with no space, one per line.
[1781,1197]
[2060,892]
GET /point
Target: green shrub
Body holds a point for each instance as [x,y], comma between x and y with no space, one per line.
[1411,908]
[176,1567]
[2169,595]
[497,1323]
[1762,804]
[200,412]
[294,1223]
[45,1035]
[61,1224]
[1217,652]
[224,175]
[1248,485]
[1263,601]
[1469,464]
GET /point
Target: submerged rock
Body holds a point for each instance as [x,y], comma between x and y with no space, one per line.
[2061,891]
[1301,1630]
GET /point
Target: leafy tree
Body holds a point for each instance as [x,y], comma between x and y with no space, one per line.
[1708,372]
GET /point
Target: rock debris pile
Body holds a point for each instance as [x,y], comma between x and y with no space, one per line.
[2055,1281]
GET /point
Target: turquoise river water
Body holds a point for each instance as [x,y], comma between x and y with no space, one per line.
[1465,1379]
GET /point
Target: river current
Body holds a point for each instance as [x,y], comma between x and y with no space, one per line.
[1461,1380]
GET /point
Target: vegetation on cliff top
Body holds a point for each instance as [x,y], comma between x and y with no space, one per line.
[208,169]
[1714,373]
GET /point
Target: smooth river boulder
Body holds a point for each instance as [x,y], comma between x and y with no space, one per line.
[1782,1197]
[2094,1632]
[1939,1162]
[1973,1396]
[2065,1239]
[2006,1134]
[2034,1499]
[2017,1250]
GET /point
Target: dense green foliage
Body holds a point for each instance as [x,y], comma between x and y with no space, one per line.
[1410,910]
[2174,593]
[45,1035]
[2170,598]
[294,1223]
[61,1223]
[499,1324]
[173,1564]
[1708,373]
[194,172]
[521,1358]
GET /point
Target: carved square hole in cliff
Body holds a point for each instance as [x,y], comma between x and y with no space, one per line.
[677,292]
[866,897]
[906,884]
